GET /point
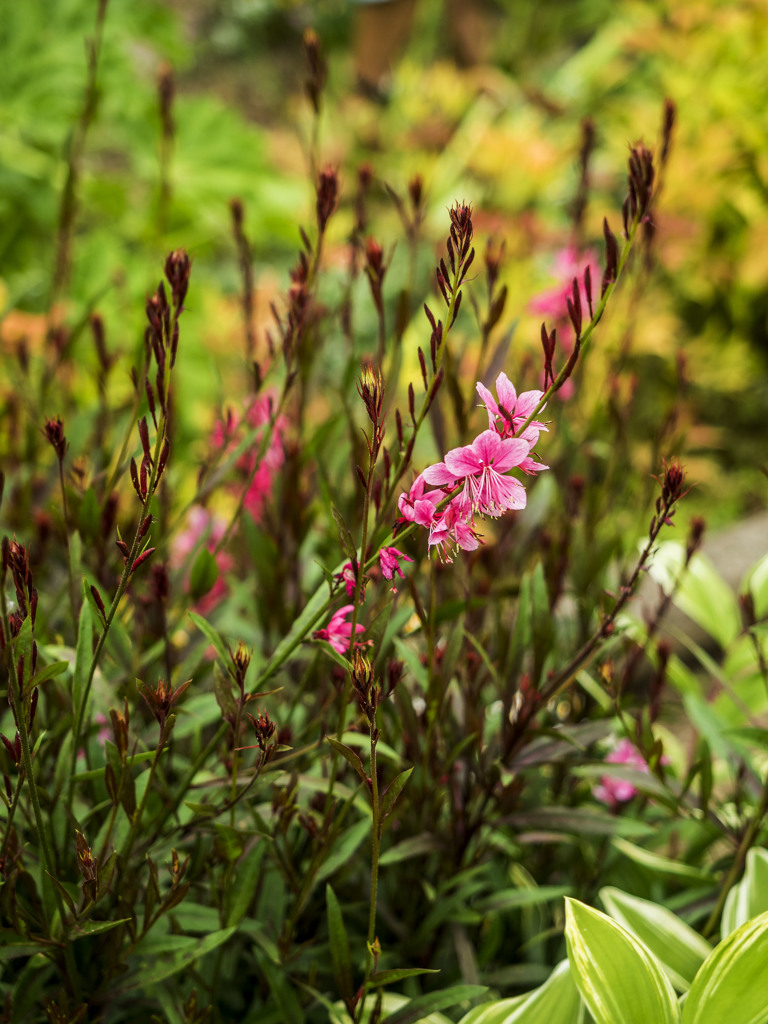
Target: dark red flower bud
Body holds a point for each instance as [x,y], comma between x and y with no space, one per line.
[177,270]
[327,196]
[142,558]
[54,431]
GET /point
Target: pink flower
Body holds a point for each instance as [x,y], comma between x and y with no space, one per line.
[511,410]
[418,507]
[388,560]
[339,632]
[482,465]
[452,530]
[612,790]
[347,574]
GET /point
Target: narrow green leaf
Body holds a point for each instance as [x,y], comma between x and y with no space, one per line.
[83,655]
[415,1009]
[349,755]
[413,663]
[413,846]
[522,633]
[211,635]
[230,841]
[75,554]
[160,967]
[332,653]
[662,865]
[97,773]
[339,941]
[679,949]
[361,740]
[82,931]
[731,986]
[282,990]
[247,873]
[619,980]
[397,974]
[67,898]
[511,899]
[344,848]
[201,809]
[393,791]
[541,620]
[11,950]
[55,669]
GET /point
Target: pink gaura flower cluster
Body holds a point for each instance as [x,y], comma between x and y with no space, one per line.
[259,472]
[481,470]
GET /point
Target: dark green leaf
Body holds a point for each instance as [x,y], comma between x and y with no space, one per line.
[83,656]
[149,972]
[247,873]
[422,1006]
[393,791]
[211,635]
[349,755]
[55,669]
[339,942]
[397,974]
[344,848]
[82,931]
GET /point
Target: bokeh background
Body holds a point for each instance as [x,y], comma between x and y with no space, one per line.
[504,134]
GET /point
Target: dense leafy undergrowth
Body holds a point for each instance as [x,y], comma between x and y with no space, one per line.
[328,695]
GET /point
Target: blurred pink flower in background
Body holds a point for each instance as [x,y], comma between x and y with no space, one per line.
[229,432]
[612,790]
[202,524]
[552,304]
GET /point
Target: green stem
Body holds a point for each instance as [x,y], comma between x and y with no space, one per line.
[375,850]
